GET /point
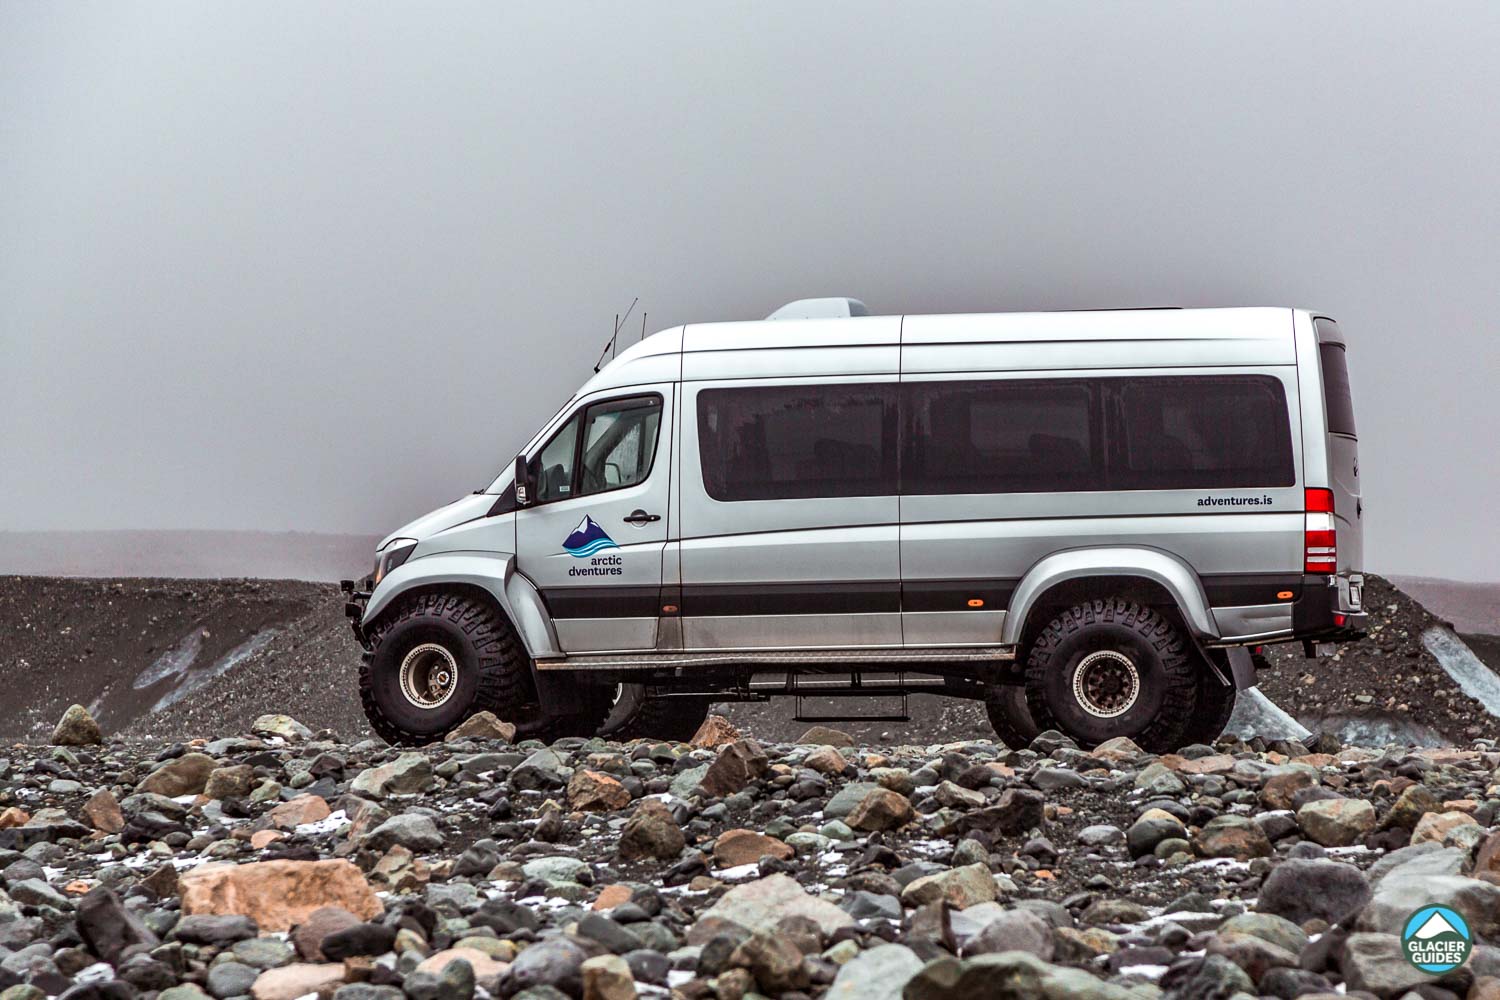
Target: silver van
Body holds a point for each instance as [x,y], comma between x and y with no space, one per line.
[1087,520]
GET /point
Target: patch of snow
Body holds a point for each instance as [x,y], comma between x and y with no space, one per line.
[737,873]
[1151,972]
[1474,678]
[327,824]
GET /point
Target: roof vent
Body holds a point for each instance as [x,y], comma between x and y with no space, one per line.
[834,308]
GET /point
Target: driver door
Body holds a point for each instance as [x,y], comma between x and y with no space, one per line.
[592,540]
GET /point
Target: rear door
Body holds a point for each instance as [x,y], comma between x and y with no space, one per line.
[1343,446]
[593,538]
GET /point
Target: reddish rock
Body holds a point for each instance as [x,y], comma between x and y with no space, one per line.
[1279,789]
[595,791]
[881,809]
[716,731]
[483,726]
[14,816]
[651,832]
[262,839]
[822,735]
[295,812]
[738,764]
[826,760]
[487,970]
[102,812]
[278,895]
[746,847]
[612,896]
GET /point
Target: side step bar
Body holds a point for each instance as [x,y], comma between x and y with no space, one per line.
[783,659]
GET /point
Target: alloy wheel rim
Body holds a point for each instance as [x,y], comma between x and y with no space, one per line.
[429,675]
[1106,684]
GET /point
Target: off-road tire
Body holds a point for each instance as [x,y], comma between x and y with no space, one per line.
[1010,717]
[1156,651]
[1215,706]
[637,715]
[494,672]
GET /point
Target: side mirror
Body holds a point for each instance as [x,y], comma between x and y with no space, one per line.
[523,482]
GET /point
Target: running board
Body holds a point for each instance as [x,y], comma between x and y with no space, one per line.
[781,658]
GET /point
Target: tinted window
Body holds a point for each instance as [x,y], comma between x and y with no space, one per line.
[789,442]
[1009,436]
[1337,400]
[1200,432]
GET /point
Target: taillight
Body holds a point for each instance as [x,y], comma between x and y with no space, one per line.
[1320,538]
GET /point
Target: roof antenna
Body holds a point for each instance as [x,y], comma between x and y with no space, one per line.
[609,348]
[643,326]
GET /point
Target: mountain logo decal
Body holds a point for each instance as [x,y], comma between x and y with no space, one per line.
[1436,939]
[587,539]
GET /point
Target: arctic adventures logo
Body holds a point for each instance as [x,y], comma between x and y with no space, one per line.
[586,542]
[1436,939]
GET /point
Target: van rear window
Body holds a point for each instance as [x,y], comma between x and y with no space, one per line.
[1201,432]
[1337,400]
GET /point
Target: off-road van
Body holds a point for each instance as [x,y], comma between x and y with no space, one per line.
[1088,520]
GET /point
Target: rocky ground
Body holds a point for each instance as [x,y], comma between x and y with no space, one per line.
[168,658]
[284,864]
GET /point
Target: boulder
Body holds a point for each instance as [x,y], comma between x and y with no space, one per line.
[483,726]
[1232,836]
[759,905]
[878,973]
[408,774]
[291,982]
[281,726]
[746,847]
[595,791]
[185,775]
[307,937]
[416,832]
[77,728]
[959,887]
[277,895]
[487,970]
[881,809]
[233,782]
[102,812]
[1375,962]
[651,832]
[716,731]
[1303,889]
[1013,930]
[1336,822]
[1450,829]
[108,928]
[824,736]
[738,764]
[297,811]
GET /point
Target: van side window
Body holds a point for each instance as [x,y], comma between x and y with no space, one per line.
[553,465]
[1201,432]
[1003,436]
[1338,402]
[798,442]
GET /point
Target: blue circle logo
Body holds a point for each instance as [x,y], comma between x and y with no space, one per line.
[1436,939]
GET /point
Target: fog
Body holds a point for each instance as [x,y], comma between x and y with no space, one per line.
[322,267]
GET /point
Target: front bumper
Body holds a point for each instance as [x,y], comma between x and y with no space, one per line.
[354,606]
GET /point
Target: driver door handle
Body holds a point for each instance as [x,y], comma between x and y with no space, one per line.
[639,516]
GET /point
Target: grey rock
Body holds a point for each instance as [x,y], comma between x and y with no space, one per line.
[414,831]
[1302,890]
[230,979]
[880,973]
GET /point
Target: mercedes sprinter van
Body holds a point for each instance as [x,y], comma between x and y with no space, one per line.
[1087,520]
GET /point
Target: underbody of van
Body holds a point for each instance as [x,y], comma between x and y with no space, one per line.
[1089,520]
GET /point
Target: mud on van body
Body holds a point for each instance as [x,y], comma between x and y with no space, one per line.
[1089,520]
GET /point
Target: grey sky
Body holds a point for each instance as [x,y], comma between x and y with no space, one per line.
[326,266]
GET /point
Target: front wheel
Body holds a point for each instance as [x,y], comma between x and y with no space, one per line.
[1111,667]
[438,658]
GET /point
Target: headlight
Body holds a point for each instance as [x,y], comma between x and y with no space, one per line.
[393,555]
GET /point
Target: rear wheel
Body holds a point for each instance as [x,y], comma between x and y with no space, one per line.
[1009,717]
[1112,667]
[635,714]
